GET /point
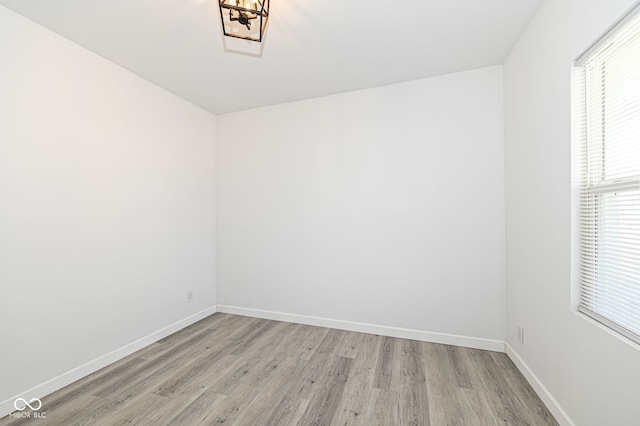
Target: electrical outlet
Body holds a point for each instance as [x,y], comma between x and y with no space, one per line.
[521,335]
[189,296]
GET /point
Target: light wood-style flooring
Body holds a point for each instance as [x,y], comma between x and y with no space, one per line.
[235,370]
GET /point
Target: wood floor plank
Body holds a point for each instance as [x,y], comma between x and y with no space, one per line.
[504,404]
[287,412]
[531,404]
[59,415]
[252,367]
[386,410]
[304,386]
[331,343]
[475,380]
[215,323]
[476,410]
[316,369]
[215,357]
[444,407]
[319,370]
[261,375]
[151,374]
[164,362]
[322,406]
[260,411]
[384,365]
[228,411]
[198,411]
[250,337]
[414,402]
[229,369]
[359,395]
[349,346]
[69,394]
[292,342]
[165,408]
[202,373]
[459,366]
[300,410]
[357,403]
[136,413]
[312,340]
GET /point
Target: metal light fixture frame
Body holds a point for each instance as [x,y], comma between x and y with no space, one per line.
[262,16]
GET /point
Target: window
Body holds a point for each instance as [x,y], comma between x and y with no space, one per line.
[606,173]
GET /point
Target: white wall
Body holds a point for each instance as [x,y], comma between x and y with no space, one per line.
[382,206]
[107,206]
[591,373]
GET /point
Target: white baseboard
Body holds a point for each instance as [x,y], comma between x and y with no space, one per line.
[561,416]
[404,333]
[56,383]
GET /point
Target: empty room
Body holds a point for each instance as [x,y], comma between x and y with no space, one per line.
[282,212]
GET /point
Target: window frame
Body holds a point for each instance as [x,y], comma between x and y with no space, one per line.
[591,184]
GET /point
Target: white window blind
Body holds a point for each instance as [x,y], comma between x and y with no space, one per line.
[606,171]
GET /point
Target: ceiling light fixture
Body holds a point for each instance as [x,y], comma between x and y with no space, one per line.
[245,19]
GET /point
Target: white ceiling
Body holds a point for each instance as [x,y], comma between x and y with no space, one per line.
[312,48]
